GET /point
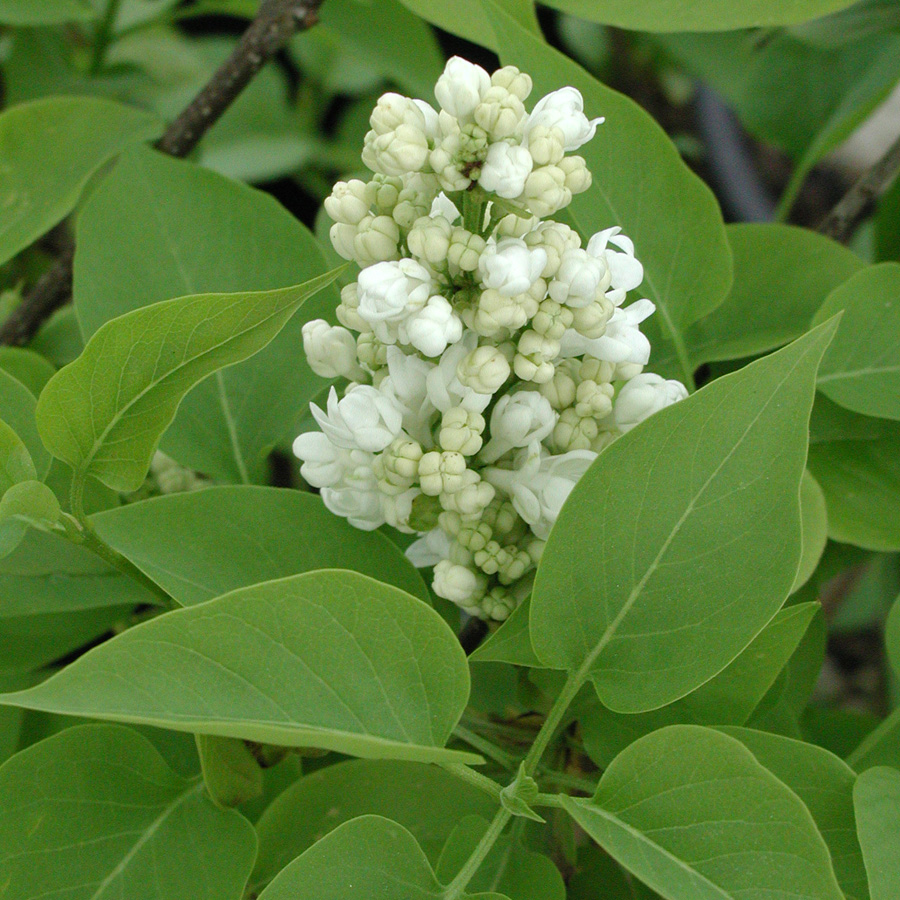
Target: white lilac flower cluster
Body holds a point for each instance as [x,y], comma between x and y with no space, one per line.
[490,355]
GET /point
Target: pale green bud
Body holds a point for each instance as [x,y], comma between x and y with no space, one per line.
[474,537]
[545,191]
[498,604]
[385,193]
[451,522]
[429,239]
[459,584]
[496,312]
[534,357]
[513,80]
[573,432]
[591,320]
[552,319]
[484,370]
[370,351]
[500,113]
[465,249]
[411,206]
[441,472]
[377,240]
[461,431]
[342,237]
[400,463]
[502,517]
[547,146]
[598,370]
[349,201]
[560,389]
[593,399]
[347,310]
[470,495]
[577,174]
[514,565]
[555,238]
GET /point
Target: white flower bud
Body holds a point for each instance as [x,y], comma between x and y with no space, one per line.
[470,496]
[505,170]
[342,236]
[545,191]
[445,160]
[433,327]
[551,320]
[394,110]
[429,239]
[465,249]
[349,201]
[458,584]
[397,509]
[500,113]
[441,472]
[593,399]
[546,145]
[385,193]
[626,272]
[442,384]
[643,396]
[484,370]
[496,312]
[590,321]
[559,390]
[461,87]
[330,350]
[396,152]
[581,277]
[515,225]
[400,464]
[554,238]
[376,240]
[364,419]
[518,419]
[513,80]
[626,371]
[347,309]
[461,431]
[564,109]
[371,352]
[510,266]
[574,432]
[411,206]
[578,175]
[622,342]
[534,357]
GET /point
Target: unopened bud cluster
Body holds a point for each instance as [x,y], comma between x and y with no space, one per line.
[490,354]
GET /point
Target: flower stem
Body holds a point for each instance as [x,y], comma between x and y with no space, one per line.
[554,717]
[476,779]
[104,36]
[456,887]
[485,747]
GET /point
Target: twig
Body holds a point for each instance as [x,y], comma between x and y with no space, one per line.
[857,203]
[276,22]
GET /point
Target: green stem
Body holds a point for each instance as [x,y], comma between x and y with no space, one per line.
[473,211]
[554,800]
[104,36]
[456,887]
[554,717]
[485,747]
[476,779]
[88,538]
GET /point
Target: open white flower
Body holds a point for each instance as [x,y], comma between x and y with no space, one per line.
[623,341]
[564,109]
[363,419]
[626,272]
[505,170]
[518,419]
[433,327]
[330,350]
[510,266]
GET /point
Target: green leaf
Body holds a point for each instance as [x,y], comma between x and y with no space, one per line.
[876,799]
[729,698]
[17,410]
[881,747]
[825,785]
[470,19]
[26,366]
[230,771]
[510,643]
[169,228]
[782,274]
[861,369]
[640,183]
[683,572]
[510,867]
[425,800]
[892,636]
[369,858]
[50,148]
[814,528]
[202,544]
[692,813]
[700,15]
[861,483]
[28,504]
[95,812]
[329,659]
[16,464]
[104,414]
[44,12]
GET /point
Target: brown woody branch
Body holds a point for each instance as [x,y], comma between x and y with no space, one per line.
[275,23]
[859,201]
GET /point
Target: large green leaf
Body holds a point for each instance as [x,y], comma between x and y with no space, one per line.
[782,274]
[17,410]
[26,366]
[369,858]
[729,698]
[825,785]
[876,798]
[881,747]
[861,369]
[94,812]
[470,20]
[44,12]
[49,149]
[425,800]
[104,414]
[683,538]
[16,464]
[167,229]
[329,659]
[641,183]
[698,15]
[861,483]
[692,813]
[814,527]
[203,544]
[510,867]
